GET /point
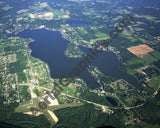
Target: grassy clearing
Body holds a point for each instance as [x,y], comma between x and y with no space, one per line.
[132,39]
[154,82]
[133,65]
[12,58]
[104,38]
[143,40]
[156,54]
[56,107]
[134,62]
[68,90]
[147,58]
[139,29]
[122,86]
[131,71]
[82,31]
[100,35]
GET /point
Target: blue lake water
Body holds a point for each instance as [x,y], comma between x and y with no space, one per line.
[112,101]
[49,46]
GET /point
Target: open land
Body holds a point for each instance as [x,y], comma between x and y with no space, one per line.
[140,49]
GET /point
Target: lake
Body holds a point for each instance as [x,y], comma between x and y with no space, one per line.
[49,46]
[112,101]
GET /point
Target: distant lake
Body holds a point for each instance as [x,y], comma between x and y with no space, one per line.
[49,46]
[112,101]
[70,22]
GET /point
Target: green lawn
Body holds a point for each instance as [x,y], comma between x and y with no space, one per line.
[68,90]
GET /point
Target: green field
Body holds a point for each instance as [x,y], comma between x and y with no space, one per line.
[154,82]
[147,58]
[156,54]
[132,65]
[68,90]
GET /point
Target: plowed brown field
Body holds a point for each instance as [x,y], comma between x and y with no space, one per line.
[140,49]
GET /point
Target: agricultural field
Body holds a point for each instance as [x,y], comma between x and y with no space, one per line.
[140,50]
